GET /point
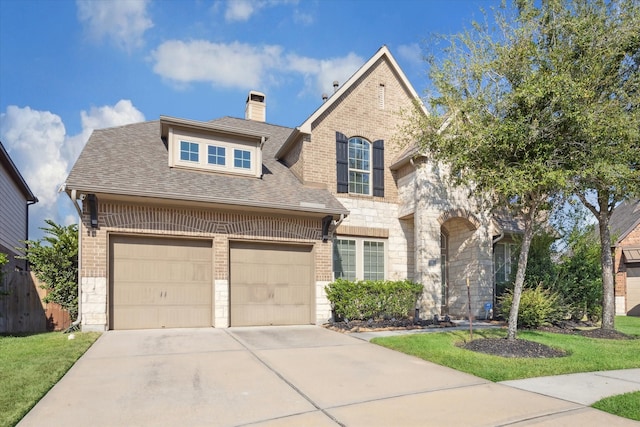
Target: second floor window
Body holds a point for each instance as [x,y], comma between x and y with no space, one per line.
[189,151]
[359,166]
[216,155]
[242,159]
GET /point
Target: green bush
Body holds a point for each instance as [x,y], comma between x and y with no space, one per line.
[369,299]
[538,306]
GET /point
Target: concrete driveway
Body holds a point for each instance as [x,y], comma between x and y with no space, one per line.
[282,376]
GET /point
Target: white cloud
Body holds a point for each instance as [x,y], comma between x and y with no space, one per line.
[411,53]
[242,10]
[228,65]
[321,73]
[43,152]
[243,66]
[124,22]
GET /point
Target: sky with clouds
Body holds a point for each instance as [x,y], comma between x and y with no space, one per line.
[69,67]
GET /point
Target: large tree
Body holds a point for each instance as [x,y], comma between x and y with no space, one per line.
[596,47]
[540,102]
[494,123]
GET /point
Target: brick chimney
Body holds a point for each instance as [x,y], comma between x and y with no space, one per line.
[256,108]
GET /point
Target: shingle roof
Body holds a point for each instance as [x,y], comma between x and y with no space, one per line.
[133,160]
[624,219]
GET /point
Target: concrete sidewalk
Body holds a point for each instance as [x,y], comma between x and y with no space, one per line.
[585,388]
[283,376]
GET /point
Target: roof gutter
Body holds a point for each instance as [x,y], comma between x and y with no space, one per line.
[314,208]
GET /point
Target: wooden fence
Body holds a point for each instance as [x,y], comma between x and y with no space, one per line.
[22,309]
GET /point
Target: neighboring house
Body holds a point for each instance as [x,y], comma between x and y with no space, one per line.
[238,222]
[15,197]
[625,229]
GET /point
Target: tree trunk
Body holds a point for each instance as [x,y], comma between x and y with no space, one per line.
[602,214]
[522,267]
[608,290]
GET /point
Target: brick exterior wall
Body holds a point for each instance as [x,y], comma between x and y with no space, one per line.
[221,227]
[358,113]
[619,267]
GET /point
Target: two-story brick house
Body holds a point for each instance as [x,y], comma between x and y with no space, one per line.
[237,222]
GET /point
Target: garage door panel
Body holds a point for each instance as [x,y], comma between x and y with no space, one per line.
[271,284]
[633,296]
[160,282]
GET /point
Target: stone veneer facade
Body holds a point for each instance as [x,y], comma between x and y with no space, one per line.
[221,227]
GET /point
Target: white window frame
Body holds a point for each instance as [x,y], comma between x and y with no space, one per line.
[359,246]
[230,144]
[368,172]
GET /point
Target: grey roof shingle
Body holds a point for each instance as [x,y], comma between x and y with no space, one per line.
[133,160]
[624,219]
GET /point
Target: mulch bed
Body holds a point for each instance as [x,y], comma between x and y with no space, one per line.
[494,346]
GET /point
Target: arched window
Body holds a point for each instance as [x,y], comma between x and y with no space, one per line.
[359,166]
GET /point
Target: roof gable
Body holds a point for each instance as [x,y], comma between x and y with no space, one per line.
[382,53]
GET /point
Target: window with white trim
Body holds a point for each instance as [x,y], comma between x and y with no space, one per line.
[359,166]
[189,151]
[216,155]
[241,159]
[359,258]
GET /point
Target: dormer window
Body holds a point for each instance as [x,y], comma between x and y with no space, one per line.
[216,155]
[212,148]
[242,159]
[189,151]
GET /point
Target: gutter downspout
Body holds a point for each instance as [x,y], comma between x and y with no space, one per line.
[76,323]
[493,264]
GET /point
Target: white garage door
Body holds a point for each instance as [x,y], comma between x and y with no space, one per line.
[160,282]
[271,284]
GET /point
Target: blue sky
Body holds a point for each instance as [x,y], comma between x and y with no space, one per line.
[69,67]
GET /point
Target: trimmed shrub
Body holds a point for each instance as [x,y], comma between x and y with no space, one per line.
[538,307]
[373,299]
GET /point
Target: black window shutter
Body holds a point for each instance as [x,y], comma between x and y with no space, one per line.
[342,162]
[378,168]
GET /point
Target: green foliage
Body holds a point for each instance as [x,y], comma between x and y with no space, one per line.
[369,299]
[540,268]
[3,261]
[54,260]
[538,307]
[580,275]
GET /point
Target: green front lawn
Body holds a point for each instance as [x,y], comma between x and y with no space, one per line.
[30,365]
[584,354]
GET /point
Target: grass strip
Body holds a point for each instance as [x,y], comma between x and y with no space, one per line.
[583,354]
[30,365]
[623,405]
